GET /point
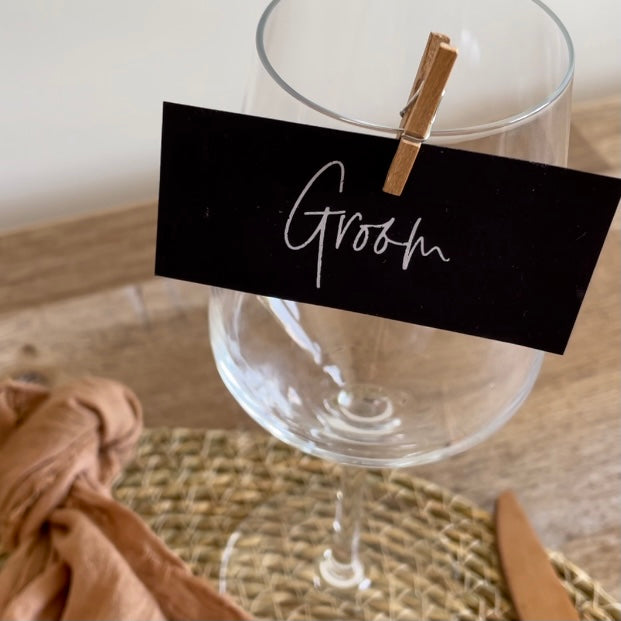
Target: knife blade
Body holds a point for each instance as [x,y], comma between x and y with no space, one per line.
[536,591]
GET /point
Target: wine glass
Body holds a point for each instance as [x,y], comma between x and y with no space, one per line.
[363,391]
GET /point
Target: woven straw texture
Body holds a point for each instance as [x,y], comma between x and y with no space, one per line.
[433,551]
[194,488]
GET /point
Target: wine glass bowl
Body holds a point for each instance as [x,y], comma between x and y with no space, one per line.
[360,389]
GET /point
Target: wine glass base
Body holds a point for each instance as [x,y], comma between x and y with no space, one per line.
[412,564]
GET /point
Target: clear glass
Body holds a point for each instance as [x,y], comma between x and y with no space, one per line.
[364,390]
[361,390]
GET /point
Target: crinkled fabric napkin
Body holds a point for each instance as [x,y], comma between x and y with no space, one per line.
[76,553]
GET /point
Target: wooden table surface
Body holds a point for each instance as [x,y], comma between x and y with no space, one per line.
[78,297]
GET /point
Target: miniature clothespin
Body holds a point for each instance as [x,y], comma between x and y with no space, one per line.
[420,110]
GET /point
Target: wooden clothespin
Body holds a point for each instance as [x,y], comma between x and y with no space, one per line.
[420,110]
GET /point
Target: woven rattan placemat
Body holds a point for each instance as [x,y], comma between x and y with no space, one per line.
[195,487]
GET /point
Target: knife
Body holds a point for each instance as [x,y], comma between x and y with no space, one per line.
[536,591]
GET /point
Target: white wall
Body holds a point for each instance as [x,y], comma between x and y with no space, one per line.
[82,83]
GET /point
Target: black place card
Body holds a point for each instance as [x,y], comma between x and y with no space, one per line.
[484,245]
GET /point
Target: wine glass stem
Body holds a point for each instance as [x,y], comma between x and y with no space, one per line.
[341,565]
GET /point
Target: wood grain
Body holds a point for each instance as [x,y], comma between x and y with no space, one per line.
[431,48]
[49,262]
[595,141]
[432,75]
[535,589]
[78,297]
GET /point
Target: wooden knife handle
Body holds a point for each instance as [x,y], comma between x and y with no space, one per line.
[536,591]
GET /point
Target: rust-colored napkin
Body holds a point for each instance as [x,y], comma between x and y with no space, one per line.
[75,552]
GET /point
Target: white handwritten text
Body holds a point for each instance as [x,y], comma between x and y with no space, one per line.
[363,231]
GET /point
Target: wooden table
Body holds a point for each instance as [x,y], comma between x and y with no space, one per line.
[78,297]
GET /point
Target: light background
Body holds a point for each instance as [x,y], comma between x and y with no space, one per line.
[82,83]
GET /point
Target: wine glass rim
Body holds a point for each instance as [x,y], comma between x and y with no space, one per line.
[460,132]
